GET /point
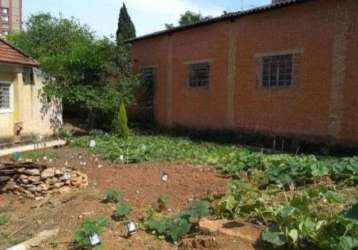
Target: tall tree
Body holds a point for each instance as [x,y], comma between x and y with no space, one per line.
[126,29]
[188,18]
[91,75]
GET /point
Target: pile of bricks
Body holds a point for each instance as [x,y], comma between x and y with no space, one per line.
[34,180]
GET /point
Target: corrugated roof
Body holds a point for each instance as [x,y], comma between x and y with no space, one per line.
[226,17]
[11,54]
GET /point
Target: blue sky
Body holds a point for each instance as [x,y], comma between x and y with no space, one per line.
[148,15]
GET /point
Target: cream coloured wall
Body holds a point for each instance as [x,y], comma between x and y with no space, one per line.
[37,117]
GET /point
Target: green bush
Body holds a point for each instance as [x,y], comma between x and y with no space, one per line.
[88,228]
[112,196]
[122,211]
[175,227]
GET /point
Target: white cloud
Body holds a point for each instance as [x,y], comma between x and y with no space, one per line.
[150,16]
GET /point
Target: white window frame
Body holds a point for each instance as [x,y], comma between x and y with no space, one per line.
[8,110]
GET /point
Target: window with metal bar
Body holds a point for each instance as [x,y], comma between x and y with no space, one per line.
[4,96]
[277,70]
[199,75]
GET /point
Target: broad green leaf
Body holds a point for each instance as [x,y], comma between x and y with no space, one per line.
[275,238]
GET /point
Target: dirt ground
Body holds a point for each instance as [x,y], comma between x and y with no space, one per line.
[141,186]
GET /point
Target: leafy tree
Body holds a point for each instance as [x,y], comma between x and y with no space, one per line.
[126,29]
[91,75]
[188,18]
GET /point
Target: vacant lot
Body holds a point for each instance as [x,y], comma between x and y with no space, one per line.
[298,199]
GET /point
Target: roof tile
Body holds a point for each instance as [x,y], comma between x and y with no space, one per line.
[11,54]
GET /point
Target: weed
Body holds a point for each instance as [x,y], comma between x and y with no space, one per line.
[122,211]
[112,196]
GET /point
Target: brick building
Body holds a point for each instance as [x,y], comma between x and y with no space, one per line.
[288,69]
[10,16]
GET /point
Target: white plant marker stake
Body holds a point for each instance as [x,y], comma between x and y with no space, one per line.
[164,177]
[92,144]
[94,239]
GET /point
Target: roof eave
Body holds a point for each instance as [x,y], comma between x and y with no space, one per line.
[229,17]
[31,64]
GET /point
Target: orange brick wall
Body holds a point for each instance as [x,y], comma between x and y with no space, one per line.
[304,109]
[349,131]
[153,53]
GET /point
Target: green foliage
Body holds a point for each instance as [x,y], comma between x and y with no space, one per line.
[3,219]
[39,155]
[302,222]
[112,196]
[175,227]
[90,75]
[122,210]
[243,199]
[122,123]
[189,18]
[126,29]
[282,170]
[66,134]
[341,232]
[88,227]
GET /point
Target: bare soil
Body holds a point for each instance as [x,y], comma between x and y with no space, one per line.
[141,186]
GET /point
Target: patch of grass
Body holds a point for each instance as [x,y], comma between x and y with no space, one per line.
[39,155]
[3,219]
[88,227]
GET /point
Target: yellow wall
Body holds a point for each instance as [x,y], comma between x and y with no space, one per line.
[38,118]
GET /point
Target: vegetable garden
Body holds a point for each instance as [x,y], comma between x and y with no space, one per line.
[304,202]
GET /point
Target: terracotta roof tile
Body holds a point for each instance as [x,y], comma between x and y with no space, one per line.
[10,54]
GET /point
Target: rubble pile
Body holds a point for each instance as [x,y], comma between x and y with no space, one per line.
[34,180]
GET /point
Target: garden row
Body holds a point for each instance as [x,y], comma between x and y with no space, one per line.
[280,169]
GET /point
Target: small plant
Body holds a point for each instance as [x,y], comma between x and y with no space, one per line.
[88,228]
[66,134]
[112,196]
[175,227]
[162,203]
[122,211]
[3,219]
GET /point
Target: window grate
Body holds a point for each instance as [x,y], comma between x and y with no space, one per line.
[199,75]
[277,71]
[4,96]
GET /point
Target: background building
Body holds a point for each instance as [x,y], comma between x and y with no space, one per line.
[283,70]
[10,16]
